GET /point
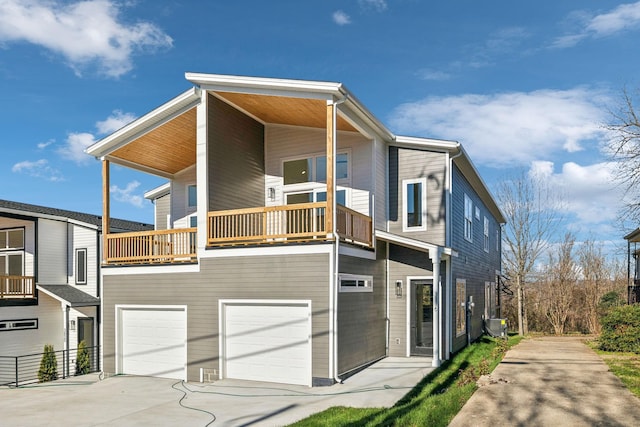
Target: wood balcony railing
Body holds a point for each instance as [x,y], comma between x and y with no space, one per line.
[353,226]
[17,287]
[285,224]
[152,247]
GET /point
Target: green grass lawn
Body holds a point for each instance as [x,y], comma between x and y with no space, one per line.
[625,366]
[434,401]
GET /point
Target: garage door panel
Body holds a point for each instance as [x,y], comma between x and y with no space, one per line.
[268,343]
[153,342]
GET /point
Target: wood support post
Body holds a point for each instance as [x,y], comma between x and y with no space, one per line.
[106,207]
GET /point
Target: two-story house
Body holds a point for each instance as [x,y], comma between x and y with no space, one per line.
[297,238]
[49,280]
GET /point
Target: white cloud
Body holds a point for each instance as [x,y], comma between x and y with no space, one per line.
[341,18]
[74,147]
[377,5]
[39,169]
[115,121]
[43,145]
[127,194]
[435,75]
[624,17]
[588,192]
[85,33]
[508,129]
[77,142]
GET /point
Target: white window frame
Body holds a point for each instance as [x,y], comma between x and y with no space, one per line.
[461,307]
[313,181]
[18,324]
[366,286]
[486,234]
[189,205]
[405,205]
[4,244]
[468,218]
[84,266]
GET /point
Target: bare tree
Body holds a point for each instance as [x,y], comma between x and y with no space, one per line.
[560,285]
[596,281]
[533,213]
[624,148]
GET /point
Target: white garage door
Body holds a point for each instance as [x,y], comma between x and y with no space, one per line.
[152,342]
[268,342]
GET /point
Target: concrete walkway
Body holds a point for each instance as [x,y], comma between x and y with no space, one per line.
[143,401]
[551,381]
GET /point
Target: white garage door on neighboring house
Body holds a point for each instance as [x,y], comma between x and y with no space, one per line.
[152,341]
[267,341]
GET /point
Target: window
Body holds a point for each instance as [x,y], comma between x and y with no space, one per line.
[193,221]
[314,169]
[81,266]
[316,196]
[490,300]
[16,325]
[12,239]
[12,252]
[468,218]
[498,240]
[414,197]
[192,196]
[355,283]
[461,307]
[486,234]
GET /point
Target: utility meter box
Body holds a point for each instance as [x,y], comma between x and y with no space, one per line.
[496,327]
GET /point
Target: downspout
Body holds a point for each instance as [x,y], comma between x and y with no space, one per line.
[99,295]
[334,286]
[66,340]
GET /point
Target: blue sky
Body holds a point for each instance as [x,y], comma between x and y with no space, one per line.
[523,85]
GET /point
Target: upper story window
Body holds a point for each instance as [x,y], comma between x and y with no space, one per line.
[81,266]
[414,196]
[192,196]
[486,234]
[468,218]
[12,239]
[314,169]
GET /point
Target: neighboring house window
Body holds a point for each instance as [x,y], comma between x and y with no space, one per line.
[81,266]
[193,221]
[12,252]
[414,196]
[486,234]
[314,169]
[461,307]
[192,196]
[16,325]
[355,283]
[468,218]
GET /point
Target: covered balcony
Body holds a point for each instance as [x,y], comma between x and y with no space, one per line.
[219,130]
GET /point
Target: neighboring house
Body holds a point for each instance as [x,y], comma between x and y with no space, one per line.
[633,267]
[49,277]
[297,238]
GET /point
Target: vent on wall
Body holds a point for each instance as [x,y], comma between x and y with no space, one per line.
[208,375]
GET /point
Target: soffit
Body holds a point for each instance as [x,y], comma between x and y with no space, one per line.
[168,148]
[284,110]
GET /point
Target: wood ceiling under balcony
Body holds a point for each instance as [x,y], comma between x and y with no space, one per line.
[171,147]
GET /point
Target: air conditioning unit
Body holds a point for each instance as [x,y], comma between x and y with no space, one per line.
[496,327]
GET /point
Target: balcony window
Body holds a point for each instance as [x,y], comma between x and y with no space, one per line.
[314,169]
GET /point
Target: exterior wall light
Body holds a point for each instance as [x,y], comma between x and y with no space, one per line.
[398,288]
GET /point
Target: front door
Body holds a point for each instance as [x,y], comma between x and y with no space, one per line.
[421,317]
[85,333]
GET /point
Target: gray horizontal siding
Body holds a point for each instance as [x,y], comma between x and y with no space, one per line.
[361,315]
[261,277]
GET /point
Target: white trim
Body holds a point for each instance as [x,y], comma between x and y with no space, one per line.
[357,252]
[285,249]
[284,302]
[423,204]
[455,305]
[409,292]
[150,269]
[158,192]
[366,279]
[118,317]
[412,243]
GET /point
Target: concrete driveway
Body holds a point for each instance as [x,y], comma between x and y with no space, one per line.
[136,401]
[551,381]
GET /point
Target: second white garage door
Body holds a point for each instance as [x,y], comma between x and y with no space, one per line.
[153,341]
[267,341]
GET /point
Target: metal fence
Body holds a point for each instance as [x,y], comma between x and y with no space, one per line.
[16,371]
